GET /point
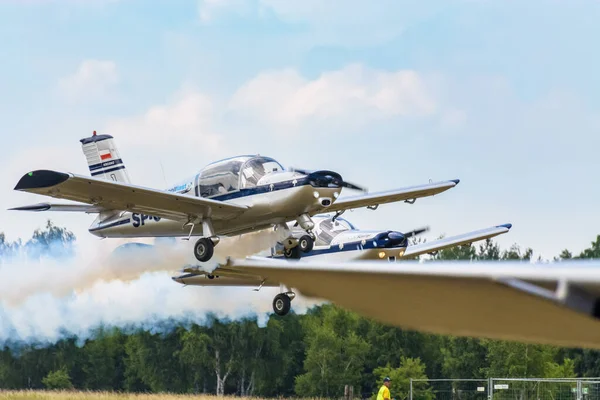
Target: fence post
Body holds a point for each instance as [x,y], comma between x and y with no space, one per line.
[579,391]
[490,388]
[411,390]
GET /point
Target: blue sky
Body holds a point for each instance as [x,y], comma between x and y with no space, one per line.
[502,95]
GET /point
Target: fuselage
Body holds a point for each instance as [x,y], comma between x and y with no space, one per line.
[339,240]
[273,196]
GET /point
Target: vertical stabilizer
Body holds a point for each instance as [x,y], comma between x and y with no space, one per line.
[103,158]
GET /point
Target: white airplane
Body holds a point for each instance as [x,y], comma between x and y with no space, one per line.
[228,197]
[556,304]
[337,241]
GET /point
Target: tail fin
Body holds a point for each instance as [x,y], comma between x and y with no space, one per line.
[103,158]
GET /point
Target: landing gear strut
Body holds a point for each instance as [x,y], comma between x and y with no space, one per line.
[282,303]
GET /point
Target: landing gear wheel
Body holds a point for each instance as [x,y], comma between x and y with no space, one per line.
[282,304]
[294,252]
[203,249]
[306,243]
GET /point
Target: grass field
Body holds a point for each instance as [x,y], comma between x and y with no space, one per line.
[73,395]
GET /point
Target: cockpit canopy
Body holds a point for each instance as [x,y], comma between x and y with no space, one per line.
[326,229]
[236,173]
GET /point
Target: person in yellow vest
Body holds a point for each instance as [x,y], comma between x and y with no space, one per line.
[384,390]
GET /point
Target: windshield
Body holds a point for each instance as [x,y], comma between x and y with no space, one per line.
[220,178]
[255,169]
[326,230]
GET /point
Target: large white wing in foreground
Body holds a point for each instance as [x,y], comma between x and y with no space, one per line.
[390,196]
[120,196]
[465,238]
[538,303]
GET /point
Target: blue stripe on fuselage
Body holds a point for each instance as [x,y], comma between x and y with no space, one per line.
[111,225]
[369,244]
[261,189]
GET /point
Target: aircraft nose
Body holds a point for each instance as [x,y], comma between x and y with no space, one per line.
[395,236]
[391,239]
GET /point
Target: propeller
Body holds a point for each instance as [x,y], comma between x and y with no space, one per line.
[331,179]
[416,232]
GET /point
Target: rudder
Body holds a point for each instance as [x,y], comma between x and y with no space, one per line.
[103,158]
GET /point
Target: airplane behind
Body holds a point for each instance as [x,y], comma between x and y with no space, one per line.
[228,197]
[337,240]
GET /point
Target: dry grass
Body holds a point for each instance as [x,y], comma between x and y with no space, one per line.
[73,395]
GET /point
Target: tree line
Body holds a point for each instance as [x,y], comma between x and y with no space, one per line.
[315,354]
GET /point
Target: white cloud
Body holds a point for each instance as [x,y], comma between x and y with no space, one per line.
[353,94]
[185,120]
[208,10]
[333,22]
[93,78]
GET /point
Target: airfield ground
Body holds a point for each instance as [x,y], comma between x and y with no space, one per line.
[75,395]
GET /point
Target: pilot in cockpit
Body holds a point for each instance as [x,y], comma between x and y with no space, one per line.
[256,171]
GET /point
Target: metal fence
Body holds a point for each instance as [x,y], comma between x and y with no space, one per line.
[505,389]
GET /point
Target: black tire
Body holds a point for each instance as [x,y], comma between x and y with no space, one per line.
[306,243]
[282,304]
[293,253]
[204,249]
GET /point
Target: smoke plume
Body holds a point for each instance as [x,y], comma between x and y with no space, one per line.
[43,299]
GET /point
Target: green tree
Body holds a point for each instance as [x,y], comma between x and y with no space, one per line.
[53,241]
[58,380]
[335,355]
[409,368]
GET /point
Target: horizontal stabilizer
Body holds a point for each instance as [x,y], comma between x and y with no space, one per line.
[556,304]
[465,238]
[123,196]
[390,196]
[85,208]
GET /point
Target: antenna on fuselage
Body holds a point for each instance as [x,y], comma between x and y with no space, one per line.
[163,173]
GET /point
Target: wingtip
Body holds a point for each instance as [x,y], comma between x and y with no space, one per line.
[35,207]
[507,226]
[456,181]
[41,179]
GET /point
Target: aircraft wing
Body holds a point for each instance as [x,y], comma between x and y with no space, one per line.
[390,196]
[119,196]
[440,244]
[555,304]
[86,208]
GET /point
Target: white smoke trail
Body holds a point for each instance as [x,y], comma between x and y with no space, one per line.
[60,277]
[41,300]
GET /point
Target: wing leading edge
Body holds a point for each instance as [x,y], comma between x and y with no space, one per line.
[465,238]
[390,196]
[549,304]
[122,196]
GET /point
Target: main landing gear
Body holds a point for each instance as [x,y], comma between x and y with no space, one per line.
[282,303]
[293,248]
[205,246]
[204,249]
